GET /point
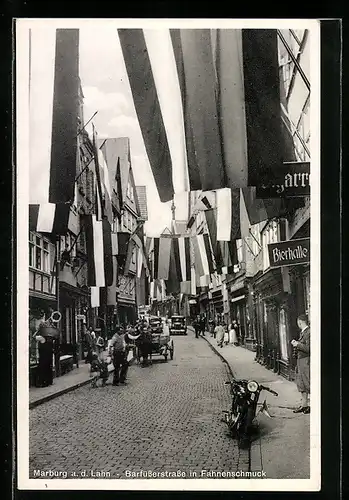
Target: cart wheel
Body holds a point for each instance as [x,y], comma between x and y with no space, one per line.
[172,352]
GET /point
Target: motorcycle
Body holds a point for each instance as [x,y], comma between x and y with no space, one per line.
[245,396]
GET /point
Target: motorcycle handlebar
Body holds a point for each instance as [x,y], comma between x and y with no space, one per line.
[269,390]
[262,387]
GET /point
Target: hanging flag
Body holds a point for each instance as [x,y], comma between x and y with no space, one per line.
[231,104]
[139,262]
[53,114]
[198,265]
[262,101]
[228,216]
[262,209]
[197,80]
[110,148]
[146,100]
[173,281]
[224,214]
[99,251]
[49,218]
[181,255]
[103,190]
[185,287]
[95,296]
[105,184]
[206,201]
[193,281]
[164,258]
[211,216]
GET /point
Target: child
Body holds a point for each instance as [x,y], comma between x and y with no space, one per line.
[99,367]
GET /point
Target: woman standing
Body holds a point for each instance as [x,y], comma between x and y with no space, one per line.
[219,330]
[233,340]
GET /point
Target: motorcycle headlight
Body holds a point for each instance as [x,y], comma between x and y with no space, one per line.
[252,386]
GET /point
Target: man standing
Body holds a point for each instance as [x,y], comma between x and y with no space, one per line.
[117,349]
[196,325]
[302,347]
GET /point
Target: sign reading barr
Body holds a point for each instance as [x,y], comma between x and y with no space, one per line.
[295,182]
[289,253]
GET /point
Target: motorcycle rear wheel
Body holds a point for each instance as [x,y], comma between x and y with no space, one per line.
[244,431]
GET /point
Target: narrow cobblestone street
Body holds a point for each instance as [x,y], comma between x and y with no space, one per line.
[166,419]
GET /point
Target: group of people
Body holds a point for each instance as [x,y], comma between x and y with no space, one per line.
[101,353]
[227,334]
[199,325]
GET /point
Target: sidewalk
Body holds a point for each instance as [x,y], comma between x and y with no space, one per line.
[282,447]
[66,383]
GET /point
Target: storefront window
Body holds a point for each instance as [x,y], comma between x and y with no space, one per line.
[283,335]
[270,235]
[307,293]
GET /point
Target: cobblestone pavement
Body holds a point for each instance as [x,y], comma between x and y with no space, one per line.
[166,419]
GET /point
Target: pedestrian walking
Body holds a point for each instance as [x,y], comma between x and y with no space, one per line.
[219,330]
[196,325]
[117,350]
[233,340]
[302,348]
[90,339]
[226,334]
[237,330]
[45,365]
[202,325]
[146,346]
[212,326]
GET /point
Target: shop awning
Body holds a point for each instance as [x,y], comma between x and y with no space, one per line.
[240,297]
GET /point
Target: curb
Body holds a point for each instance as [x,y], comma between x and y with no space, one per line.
[49,397]
[255,448]
[216,351]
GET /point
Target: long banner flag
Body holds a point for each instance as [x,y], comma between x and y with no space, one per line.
[181,254]
[99,252]
[53,114]
[215,112]
[162,249]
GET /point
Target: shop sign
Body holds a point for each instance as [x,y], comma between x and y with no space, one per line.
[295,182]
[236,299]
[289,253]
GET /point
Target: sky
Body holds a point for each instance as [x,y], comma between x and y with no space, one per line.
[106,89]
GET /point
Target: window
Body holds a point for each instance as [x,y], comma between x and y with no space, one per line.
[39,253]
[270,235]
[67,242]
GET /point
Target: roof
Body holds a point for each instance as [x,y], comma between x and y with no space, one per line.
[142,200]
[114,149]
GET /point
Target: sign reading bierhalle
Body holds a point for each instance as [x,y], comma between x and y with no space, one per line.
[289,253]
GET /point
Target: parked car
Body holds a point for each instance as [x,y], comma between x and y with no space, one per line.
[178,325]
